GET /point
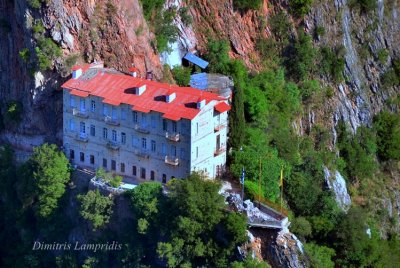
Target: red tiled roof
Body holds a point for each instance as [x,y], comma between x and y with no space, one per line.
[117,88]
[222,107]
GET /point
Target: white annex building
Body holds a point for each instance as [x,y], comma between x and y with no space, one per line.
[140,128]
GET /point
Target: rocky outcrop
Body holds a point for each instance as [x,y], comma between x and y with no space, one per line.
[337,185]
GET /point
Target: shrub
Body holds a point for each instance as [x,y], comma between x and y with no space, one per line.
[46,52]
[366,6]
[387,126]
[181,75]
[301,227]
[300,7]
[185,16]
[319,31]
[115,181]
[333,63]
[320,256]
[383,55]
[25,55]
[247,4]
[14,111]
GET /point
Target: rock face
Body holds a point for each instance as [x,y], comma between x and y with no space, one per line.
[337,184]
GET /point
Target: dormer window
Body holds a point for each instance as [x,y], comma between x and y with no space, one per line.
[139,90]
[133,71]
[76,71]
[201,103]
[170,96]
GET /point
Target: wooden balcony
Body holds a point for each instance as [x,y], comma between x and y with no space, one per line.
[219,151]
[110,121]
[141,129]
[113,145]
[79,113]
[142,154]
[172,136]
[173,161]
[219,125]
[82,137]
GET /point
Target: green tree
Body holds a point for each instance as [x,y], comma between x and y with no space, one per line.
[96,208]
[300,63]
[320,256]
[387,126]
[300,7]
[217,56]
[50,173]
[236,120]
[247,4]
[181,75]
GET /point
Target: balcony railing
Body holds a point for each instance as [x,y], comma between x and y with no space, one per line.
[170,160]
[219,151]
[111,121]
[142,154]
[113,145]
[83,137]
[172,136]
[79,113]
[219,125]
[141,129]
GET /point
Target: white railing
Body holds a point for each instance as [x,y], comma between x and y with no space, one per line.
[174,161]
[81,137]
[79,113]
[141,129]
[172,136]
[111,121]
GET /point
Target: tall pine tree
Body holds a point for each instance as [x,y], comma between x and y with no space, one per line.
[236,119]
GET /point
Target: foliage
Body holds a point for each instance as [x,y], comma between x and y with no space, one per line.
[382,55]
[320,256]
[201,234]
[300,8]
[387,126]
[96,208]
[392,76]
[181,75]
[151,7]
[301,227]
[247,4]
[165,31]
[365,6]
[332,62]
[50,173]
[319,31]
[46,51]
[25,55]
[358,151]
[249,262]
[217,56]
[13,112]
[236,120]
[35,4]
[301,59]
[116,181]
[185,16]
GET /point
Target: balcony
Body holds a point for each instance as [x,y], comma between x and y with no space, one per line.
[82,137]
[79,113]
[111,121]
[219,125]
[113,145]
[142,154]
[141,129]
[173,161]
[172,136]
[219,151]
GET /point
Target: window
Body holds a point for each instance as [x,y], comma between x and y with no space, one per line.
[123,114]
[144,120]
[123,138]
[152,175]
[122,167]
[92,159]
[105,133]
[173,150]
[82,157]
[174,128]
[135,142]
[92,130]
[153,146]
[114,135]
[82,128]
[163,149]
[182,153]
[104,163]
[144,143]
[143,173]
[72,101]
[134,116]
[197,128]
[134,170]
[113,165]
[105,109]
[72,154]
[93,106]
[71,125]
[165,125]
[153,121]
[82,105]
[197,152]
[164,178]
[114,113]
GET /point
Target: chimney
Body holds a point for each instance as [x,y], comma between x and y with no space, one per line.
[133,71]
[201,103]
[171,95]
[76,71]
[149,75]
